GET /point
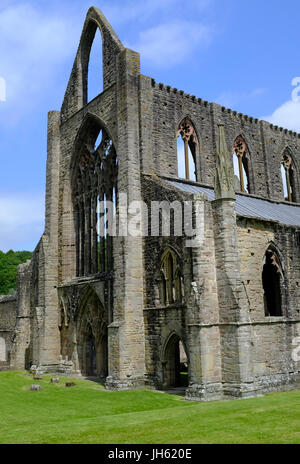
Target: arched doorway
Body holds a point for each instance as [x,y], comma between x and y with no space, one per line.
[175,364]
[92,338]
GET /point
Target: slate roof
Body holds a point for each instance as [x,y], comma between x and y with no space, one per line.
[250,206]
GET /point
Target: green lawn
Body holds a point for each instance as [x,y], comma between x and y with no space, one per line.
[87,413]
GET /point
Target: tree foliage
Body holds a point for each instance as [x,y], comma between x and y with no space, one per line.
[8,269]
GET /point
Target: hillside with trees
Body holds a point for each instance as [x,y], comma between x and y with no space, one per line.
[8,269]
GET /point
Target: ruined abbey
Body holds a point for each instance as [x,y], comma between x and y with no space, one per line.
[136,309]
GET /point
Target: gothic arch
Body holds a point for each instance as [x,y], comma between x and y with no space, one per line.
[170,277]
[172,350]
[245,181]
[289,175]
[273,281]
[187,131]
[76,93]
[91,329]
[87,136]
[94,186]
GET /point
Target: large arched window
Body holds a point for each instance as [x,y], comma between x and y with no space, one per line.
[95,196]
[272,279]
[186,150]
[170,279]
[288,176]
[241,165]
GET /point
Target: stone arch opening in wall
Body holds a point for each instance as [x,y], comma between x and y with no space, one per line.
[187,151]
[175,363]
[92,340]
[76,92]
[243,172]
[93,76]
[170,279]
[96,26]
[289,176]
[94,177]
[273,282]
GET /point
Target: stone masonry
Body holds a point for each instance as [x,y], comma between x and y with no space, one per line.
[123,308]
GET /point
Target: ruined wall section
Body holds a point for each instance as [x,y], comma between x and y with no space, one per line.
[76,93]
[196,320]
[162,108]
[276,140]
[271,337]
[8,317]
[102,110]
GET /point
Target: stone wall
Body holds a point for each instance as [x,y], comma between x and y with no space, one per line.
[271,337]
[162,110]
[8,309]
[231,347]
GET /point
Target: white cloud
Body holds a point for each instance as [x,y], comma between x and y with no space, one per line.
[130,10]
[287,116]
[171,43]
[21,220]
[33,44]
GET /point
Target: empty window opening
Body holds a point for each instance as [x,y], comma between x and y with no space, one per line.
[95,196]
[95,77]
[171,290]
[240,164]
[288,177]
[186,151]
[272,277]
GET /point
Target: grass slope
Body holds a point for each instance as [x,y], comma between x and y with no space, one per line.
[87,413]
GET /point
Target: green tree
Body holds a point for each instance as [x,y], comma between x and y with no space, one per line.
[8,269]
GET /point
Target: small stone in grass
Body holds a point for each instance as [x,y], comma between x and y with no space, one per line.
[70,384]
[35,388]
[55,380]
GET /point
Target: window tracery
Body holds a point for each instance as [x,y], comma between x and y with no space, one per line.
[95,190]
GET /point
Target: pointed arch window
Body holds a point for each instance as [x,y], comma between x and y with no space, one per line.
[272,278]
[288,177]
[170,278]
[95,195]
[241,165]
[186,150]
[95,77]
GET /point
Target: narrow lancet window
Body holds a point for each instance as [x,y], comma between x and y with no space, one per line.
[171,280]
[288,177]
[186,151]
[240,164]
[272,278]
[95,78]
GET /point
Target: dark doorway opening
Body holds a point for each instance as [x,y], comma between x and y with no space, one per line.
[176,364]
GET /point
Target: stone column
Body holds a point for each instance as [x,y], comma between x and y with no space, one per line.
[50,346]
[205,381]
[126,332]
[235,328]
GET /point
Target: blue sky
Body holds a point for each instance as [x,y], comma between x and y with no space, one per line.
[240,53]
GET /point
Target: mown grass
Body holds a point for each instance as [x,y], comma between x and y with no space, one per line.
[87,414]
